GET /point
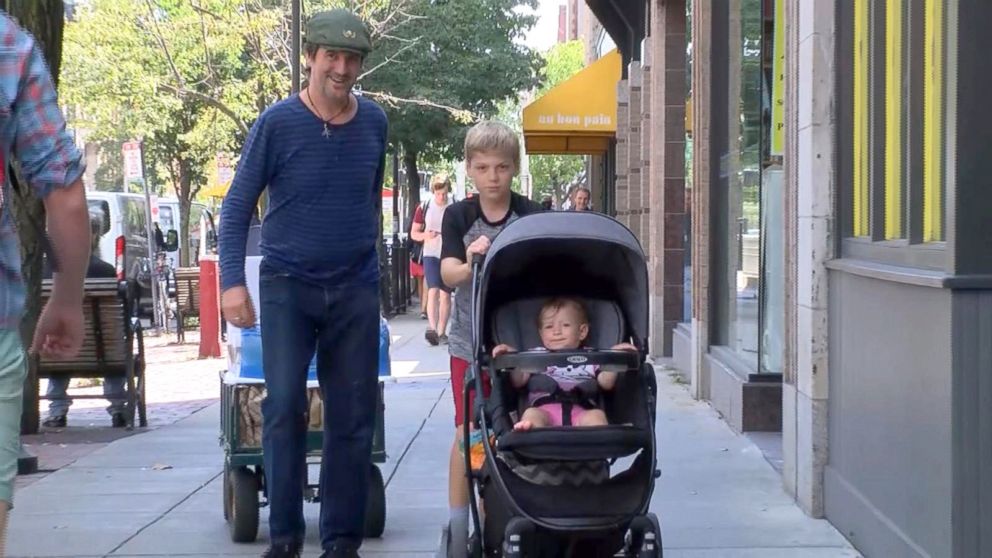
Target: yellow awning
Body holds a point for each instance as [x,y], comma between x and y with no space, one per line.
[579,115]
[216,191]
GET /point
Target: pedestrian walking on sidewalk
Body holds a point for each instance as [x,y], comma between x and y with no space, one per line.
[321,154]
[492,158]
[33,133]
[438,295]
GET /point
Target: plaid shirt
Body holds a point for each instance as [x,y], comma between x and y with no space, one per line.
[32,132]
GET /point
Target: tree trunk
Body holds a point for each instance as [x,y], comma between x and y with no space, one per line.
[412,179]
[185,201]
[45,20]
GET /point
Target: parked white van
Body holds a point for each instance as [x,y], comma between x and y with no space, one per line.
[124,242]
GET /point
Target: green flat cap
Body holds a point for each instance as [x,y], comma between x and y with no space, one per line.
[339,29]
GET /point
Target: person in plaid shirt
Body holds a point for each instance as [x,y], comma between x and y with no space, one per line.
[32,133]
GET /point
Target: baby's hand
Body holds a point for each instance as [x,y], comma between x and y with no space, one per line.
[502,350]
[624,347]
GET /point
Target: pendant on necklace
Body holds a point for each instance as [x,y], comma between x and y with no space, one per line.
[327,131]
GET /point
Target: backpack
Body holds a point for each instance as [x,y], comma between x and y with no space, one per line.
[415,248]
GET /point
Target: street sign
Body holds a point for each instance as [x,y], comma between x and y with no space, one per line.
[225,172]
[132,162]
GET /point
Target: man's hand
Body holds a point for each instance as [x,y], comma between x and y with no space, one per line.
[479,246]
[237,308]
[624,347]
[59,333]
[433,234]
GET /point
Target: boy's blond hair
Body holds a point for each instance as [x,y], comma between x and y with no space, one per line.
[440,181]
[490,135]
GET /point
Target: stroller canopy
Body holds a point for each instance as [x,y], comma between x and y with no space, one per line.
[581,254]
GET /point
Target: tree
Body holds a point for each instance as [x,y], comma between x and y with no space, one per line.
[453,67]
[189,76]
[156,70]
[553,174]
[44,19]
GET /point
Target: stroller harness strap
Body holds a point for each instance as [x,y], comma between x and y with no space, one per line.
[585,394]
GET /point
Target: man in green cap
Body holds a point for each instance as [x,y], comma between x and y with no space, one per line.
[321,154]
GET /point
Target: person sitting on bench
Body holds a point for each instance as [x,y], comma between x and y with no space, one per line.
[113,388]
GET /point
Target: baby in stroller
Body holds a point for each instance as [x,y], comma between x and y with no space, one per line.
[570,461]
[563,395]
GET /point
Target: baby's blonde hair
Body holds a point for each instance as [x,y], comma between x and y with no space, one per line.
[490,135]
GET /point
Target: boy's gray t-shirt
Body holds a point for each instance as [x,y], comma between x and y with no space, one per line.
[463,224]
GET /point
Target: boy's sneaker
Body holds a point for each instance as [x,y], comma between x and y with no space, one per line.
[443,339]
[283,551]
[431,337]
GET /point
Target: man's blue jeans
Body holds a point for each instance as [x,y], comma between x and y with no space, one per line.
[343,323]
[113,390]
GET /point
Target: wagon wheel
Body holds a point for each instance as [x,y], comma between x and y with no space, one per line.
[375,509]
[243,513]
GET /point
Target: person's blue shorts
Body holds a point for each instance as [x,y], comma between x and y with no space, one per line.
[432,274]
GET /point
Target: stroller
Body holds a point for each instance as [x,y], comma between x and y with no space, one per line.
[563,491]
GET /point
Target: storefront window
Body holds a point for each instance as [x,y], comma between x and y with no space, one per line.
[745,188]
[687,235]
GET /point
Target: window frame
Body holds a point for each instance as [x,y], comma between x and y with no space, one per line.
[911,250]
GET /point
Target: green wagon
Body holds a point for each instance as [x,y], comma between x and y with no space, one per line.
[244,478]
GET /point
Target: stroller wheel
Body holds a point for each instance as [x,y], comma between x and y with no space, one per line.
[644,539]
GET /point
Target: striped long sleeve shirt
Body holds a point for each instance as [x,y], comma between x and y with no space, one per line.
[322,220]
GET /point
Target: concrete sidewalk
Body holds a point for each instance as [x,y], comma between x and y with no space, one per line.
[159,493]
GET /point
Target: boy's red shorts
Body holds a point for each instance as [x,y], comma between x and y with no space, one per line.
[458,368]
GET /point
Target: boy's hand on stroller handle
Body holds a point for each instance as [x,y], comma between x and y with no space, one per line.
[478,247]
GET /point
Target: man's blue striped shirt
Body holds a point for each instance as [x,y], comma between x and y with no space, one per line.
[322,220]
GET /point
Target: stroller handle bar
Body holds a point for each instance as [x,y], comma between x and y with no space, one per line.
[607,360]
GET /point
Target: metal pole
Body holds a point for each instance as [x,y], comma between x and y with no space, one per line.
[295,54]
[150,234]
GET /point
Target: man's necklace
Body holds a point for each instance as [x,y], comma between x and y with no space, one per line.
[327,123]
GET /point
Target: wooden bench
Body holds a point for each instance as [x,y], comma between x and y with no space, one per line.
[113,346]
[187,296]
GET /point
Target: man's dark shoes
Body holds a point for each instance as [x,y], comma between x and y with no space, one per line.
[117,420]
[284,551]
[340,551]
[431,337]
[55,422]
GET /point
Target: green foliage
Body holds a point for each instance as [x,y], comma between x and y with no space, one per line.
[456,61]
[189,77]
